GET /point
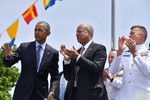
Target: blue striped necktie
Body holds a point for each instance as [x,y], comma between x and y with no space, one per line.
[38,55]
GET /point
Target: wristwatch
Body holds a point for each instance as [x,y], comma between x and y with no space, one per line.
[111,79]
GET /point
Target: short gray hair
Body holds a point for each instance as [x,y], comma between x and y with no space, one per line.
[46,25]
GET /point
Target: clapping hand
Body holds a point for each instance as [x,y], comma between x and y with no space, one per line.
[73,53]
[69,53]
[121,45]
[131,44]
[63,52]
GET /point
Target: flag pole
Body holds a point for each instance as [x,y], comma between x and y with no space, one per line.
[149,46]
[112,24]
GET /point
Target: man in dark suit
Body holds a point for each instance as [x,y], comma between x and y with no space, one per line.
[33,83]
[83,68]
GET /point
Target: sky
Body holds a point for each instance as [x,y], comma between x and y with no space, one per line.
[65,16]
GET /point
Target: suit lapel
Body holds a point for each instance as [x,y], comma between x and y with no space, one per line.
[89,49]
[87,52]
[33,53]
[46,54]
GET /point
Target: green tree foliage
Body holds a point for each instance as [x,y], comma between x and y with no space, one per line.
[8,78]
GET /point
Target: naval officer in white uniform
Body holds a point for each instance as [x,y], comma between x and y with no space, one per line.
[135,63]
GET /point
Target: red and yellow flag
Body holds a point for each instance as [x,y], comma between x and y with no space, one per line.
[30,14]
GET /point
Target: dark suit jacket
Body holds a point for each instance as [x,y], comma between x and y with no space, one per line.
[90,84]
[30,81]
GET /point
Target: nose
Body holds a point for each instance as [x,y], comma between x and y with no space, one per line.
[36,32]
[77,34]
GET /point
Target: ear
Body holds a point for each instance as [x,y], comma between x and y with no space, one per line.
[48,33]
[142,36]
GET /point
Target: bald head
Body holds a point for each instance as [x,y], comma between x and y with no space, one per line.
[88,28]
[84,33]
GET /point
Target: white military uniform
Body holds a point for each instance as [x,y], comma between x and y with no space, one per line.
[136,74]
[113,87]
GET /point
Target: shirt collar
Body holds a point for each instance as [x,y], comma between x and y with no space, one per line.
[42,45]
[141,47]
[87,45]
